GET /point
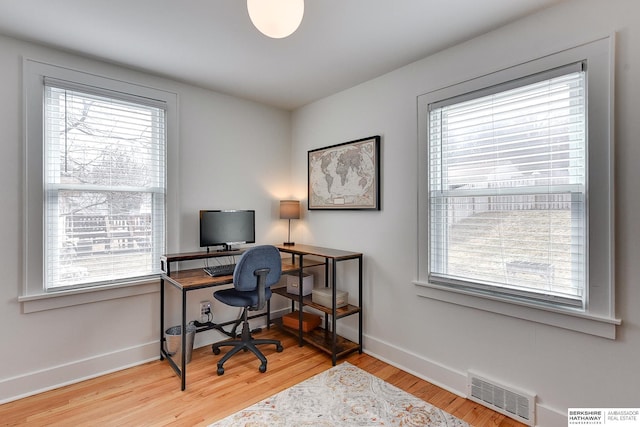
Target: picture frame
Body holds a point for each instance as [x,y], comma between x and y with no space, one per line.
[345,176]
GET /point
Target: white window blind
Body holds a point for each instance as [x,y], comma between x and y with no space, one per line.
[507,189]
[104,210]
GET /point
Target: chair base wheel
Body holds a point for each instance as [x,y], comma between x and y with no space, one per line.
[263,368]
[279,349]
[220,370]
[216,350]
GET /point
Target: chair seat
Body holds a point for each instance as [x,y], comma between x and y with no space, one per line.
[237,298]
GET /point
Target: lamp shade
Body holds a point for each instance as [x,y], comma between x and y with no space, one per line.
[289,209]
[276,18]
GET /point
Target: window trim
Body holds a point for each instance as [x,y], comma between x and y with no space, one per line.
[32,294]
[599,316]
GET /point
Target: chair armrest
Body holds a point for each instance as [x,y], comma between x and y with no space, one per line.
[261,274]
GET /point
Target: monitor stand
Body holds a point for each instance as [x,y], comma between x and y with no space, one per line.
[225,248]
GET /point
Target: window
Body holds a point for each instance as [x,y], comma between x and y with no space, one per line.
[96,177]
[104,185]
[507,204]
[515,169]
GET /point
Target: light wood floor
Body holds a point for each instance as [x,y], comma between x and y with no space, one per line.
[149,395]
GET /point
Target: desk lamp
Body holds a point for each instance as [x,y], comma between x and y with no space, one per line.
[289,209]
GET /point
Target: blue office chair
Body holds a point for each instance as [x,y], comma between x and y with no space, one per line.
[256,270]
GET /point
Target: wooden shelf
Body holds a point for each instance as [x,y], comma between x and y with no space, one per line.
[335,254]
[323,340]
[341,312]
[186,256]
[289,267]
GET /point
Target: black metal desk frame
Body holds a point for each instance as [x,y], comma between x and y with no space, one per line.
[190,280]
[200,281]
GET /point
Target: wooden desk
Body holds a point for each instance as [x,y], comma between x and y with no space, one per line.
[192,279]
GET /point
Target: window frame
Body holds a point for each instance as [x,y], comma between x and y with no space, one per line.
[55,187]
[438,267]
[598,317]
[32,294]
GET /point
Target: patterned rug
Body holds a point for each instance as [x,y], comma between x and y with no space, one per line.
[344,395]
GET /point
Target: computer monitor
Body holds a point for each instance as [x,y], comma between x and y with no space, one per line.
[226,228]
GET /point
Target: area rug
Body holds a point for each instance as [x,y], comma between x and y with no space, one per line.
[344,395]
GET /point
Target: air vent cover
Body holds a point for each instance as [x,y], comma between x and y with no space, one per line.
[515,404]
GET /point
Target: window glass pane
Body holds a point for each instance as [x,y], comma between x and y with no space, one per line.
[104,189]
[507,182]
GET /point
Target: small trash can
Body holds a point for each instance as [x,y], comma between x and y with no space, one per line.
[174,341]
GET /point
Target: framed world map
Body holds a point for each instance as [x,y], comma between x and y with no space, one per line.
[345,176]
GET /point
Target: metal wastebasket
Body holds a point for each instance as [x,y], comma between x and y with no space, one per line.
[174,341]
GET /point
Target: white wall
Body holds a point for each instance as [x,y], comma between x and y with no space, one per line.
[436,340]
[441,341]
[226,146]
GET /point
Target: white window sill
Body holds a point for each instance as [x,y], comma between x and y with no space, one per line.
[572,320]
[67,298]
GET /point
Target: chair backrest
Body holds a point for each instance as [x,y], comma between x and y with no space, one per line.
[256,258]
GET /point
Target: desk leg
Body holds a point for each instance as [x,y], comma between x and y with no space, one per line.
[161,318]
[300,297]
[183,370]
[360,304]
[269,314]
[326,285]
[333,314]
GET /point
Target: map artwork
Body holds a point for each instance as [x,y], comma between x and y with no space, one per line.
[344,176]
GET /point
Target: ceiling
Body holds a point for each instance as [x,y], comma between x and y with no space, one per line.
[212,43]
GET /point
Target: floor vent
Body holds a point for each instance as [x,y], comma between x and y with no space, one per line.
[514,404]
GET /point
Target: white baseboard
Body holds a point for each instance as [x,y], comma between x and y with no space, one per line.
[445,377]
[415,364]
[35,382]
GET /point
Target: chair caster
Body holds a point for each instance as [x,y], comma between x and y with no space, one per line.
[279,348]
[215,349]
[263,368]
[220,370]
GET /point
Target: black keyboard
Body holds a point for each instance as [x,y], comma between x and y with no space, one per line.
[220,270]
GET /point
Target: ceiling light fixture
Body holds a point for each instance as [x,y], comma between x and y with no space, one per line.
[276,18]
